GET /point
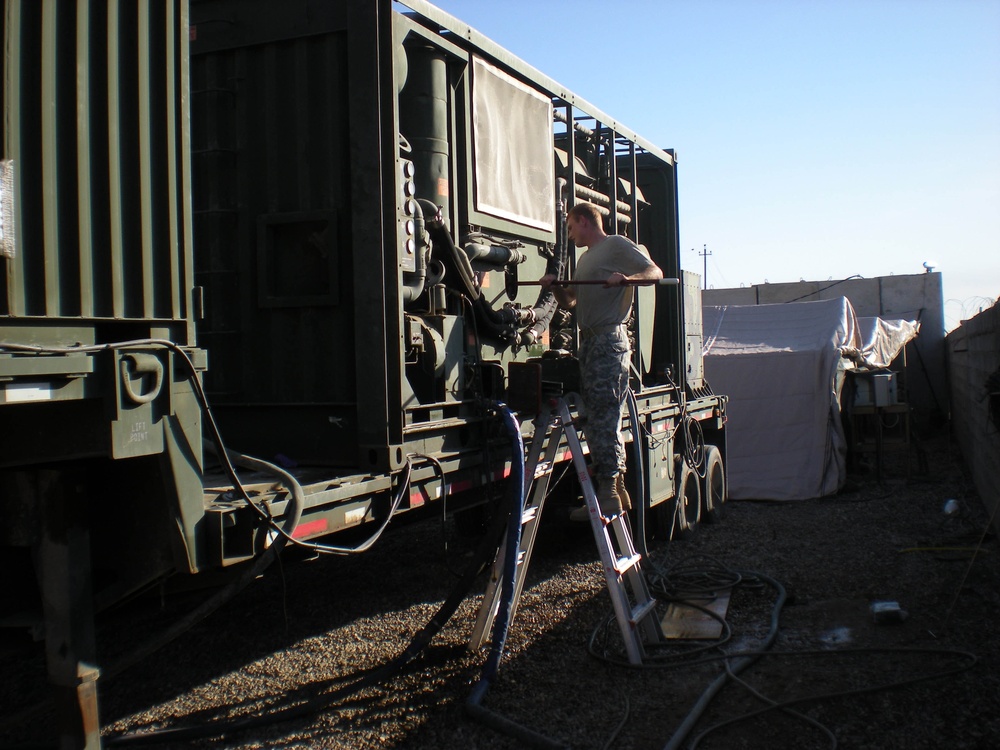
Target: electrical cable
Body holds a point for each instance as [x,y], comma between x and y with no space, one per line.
[221,452]
[609,742]
[226,457]
[484,554]
[682,585]
[972,560]
[817,291]
[227,592]
[329,549]
[774,704]
[744,659]
[642,496]
[971,658]
[439,473]
[692,717]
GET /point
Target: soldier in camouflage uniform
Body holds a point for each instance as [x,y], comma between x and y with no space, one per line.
[601,313]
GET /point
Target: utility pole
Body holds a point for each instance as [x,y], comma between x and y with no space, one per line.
[704,254]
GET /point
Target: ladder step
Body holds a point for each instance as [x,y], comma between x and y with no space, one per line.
[640,612]
[542,469]
[625,564]
[622,565]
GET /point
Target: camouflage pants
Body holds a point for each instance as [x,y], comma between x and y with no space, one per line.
[604,361]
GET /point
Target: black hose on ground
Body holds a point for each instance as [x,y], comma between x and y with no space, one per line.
[731,672]
[483,556]
[231,589]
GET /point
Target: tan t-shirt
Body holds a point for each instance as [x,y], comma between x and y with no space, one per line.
[597,307]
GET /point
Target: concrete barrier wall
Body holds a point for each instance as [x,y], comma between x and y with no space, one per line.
[973,356]
[912,297]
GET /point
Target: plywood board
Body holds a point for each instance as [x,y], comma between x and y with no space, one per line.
[684,622]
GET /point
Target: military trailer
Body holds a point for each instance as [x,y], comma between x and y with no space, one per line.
[267,282]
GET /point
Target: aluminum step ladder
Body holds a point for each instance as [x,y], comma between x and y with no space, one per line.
[634,608]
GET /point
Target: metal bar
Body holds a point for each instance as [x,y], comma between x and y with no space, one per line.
[633,208]
[83,161]
[146,145]
[570,282]
[171,31]
[612,157]
[50,156]
[467,36]
[183,160]
[65,579]
[115,162]
[16,280]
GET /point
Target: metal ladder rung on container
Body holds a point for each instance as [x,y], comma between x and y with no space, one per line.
[633,605]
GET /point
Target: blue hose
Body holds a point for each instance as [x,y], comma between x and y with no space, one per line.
[501,625]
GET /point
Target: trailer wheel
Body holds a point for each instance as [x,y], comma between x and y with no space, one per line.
[713,486]
[688,485]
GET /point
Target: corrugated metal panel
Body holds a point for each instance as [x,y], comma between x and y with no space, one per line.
[272,203]
[95,121]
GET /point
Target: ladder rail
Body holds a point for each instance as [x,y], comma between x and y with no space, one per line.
[536,483]
[630,597]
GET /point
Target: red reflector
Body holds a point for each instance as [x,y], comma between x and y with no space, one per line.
[310,528]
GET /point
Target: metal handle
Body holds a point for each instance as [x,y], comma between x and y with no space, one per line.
[141,364]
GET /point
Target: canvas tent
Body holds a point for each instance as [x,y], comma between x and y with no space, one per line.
[782,366]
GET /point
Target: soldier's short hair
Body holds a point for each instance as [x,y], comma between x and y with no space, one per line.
[587,211]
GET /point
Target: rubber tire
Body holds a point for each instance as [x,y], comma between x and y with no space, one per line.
[714,489]
[688,489]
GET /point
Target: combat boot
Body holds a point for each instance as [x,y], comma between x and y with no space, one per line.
[608,498]
[622,491]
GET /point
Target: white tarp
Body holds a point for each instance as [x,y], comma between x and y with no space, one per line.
[782,366]
[883,338]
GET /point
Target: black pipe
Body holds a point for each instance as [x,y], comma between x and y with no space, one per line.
[497,324]
[423,115]
[414,282]
[546,304]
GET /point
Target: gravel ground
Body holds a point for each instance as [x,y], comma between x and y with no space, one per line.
[299,637]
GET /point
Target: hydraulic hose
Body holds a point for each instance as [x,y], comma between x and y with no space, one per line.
[546,304]
[642,499]
[227,592]
[457,266]
[501,625]
[485,553]
[414,283]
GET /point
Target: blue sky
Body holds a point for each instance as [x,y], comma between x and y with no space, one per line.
[816,139]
